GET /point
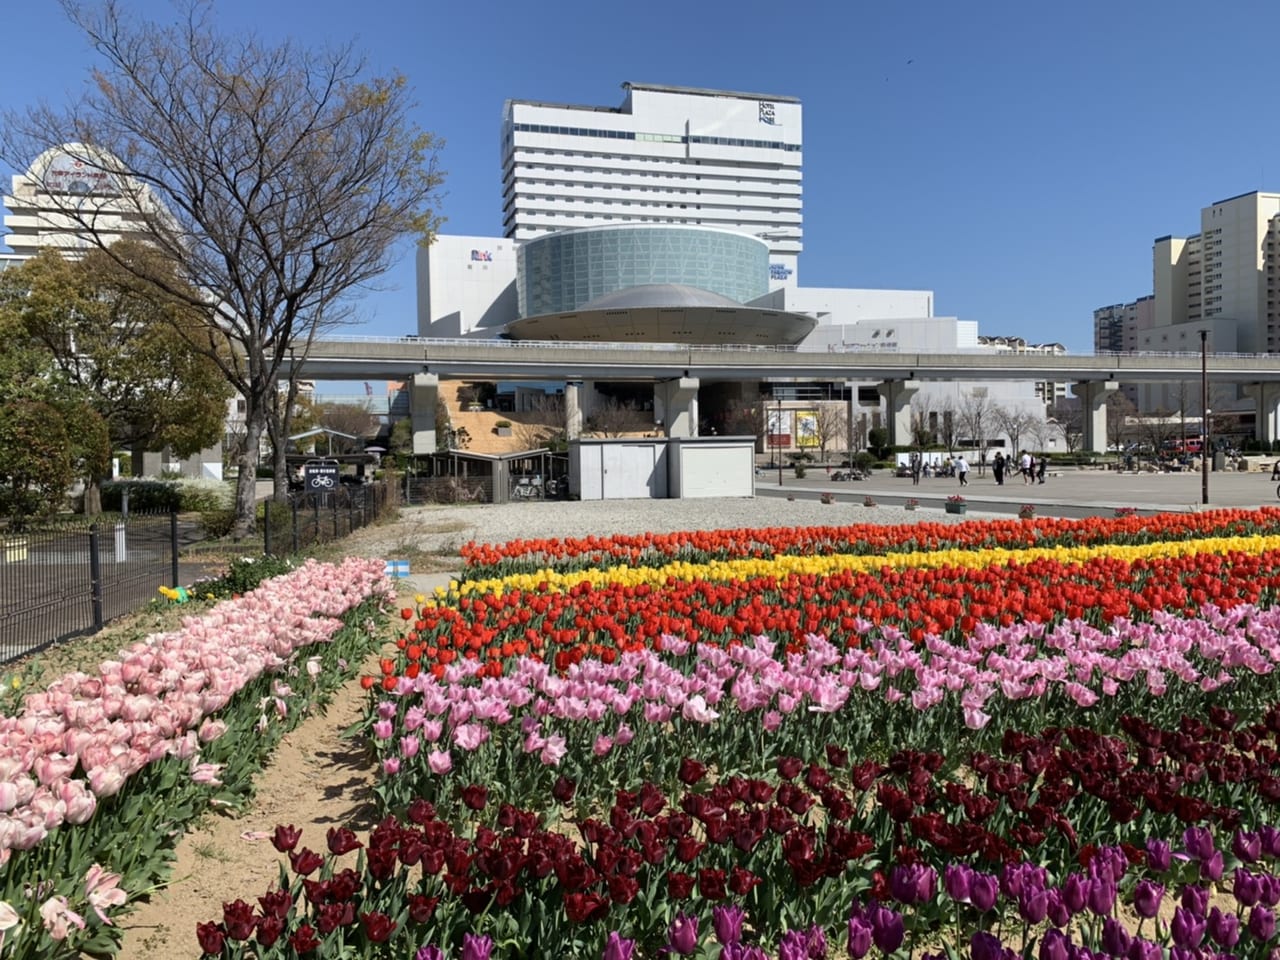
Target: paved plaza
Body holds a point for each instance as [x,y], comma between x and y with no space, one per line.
[1065,492]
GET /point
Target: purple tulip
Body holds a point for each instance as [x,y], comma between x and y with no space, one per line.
[1075,891]
[1269,889]
[741,951]
[887,929]
[476,947]
[682,935]
[913,883]
[1247,846]
[1262,923]
[957,880]
[1195,899]
[1101,895]
[817,943]
[859,937]
[1187,928]
[985,946]
[617,947]
[1246,887]
[1115,938]
[429,953]
[1270,837]
[1159,855]
[794,945]
[1054,945]
[1033,904]
[1146,898]
[1211,867]
[1140,949]
[984,890]
[1224,928]
[727,919]
[1198,842]
[1057,911]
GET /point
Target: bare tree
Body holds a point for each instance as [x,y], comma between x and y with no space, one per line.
[614,419]
[947,426]
[278,179]
[1068,422]
[975,416]
[546,423]
[830,423]
[1120,411]
[1155,429]
[1013,423]
[922,432]
[355,420]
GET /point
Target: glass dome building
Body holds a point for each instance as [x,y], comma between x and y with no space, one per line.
[648,283]
[563,271]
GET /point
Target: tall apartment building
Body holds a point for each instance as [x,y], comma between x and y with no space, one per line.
[667,155]
[1225,279]
[1116,327]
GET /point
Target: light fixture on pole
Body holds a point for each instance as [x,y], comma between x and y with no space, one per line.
[1204,417]
[777,428]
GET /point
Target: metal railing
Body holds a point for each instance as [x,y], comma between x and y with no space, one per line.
[69,578]
[319,517]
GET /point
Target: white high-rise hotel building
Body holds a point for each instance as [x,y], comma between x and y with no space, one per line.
[669,155]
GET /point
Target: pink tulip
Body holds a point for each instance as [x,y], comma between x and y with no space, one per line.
[439,762]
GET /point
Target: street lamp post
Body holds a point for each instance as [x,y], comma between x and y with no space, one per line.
[777,426]
[1204,417]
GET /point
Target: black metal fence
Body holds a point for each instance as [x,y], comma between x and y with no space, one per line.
[310,518]
[71,577]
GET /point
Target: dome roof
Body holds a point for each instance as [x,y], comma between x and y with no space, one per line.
[667,295]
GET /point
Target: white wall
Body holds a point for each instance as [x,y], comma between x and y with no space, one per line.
[466,283]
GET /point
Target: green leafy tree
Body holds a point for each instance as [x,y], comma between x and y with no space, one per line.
[118,345]
[279,180]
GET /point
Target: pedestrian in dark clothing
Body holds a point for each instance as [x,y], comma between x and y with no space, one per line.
[1040,466]
[997,468]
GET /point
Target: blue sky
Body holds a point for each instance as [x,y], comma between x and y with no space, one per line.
[1016,158]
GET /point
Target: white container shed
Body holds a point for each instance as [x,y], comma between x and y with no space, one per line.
[659,468]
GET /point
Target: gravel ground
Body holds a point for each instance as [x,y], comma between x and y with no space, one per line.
[441,530]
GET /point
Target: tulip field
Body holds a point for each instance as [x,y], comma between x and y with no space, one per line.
[1023,738]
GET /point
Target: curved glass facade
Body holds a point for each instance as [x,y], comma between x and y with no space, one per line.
[562,271]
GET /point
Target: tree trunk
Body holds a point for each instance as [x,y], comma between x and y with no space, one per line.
[247,482]
[92,497]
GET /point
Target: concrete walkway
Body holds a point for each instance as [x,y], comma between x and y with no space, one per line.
[1069,493]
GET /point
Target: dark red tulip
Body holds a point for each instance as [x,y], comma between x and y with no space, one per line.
[789,767]
[269,930]
[341,840]
[474,796]
[422,908]
[563,789]
[691,771]
[378,927]
[679,885]
[285,839]
[238,920]
[304,939]
[711,884]
[211,937]
[276,903]
[305,861]
[585,907]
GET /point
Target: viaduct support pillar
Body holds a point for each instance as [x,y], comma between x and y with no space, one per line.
[675,403]
[422,411]
[1266,401]
[897,396]
[1093,403]
[573,409]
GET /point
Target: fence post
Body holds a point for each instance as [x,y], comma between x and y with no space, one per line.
[173,545]
[295,526]
[351,514]
[95,577]
[315,502]
[266,528]
[334,502]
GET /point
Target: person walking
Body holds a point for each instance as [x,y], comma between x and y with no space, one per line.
[916,467]
[1024,465]
[962,470]
[997,468]
[1040,468]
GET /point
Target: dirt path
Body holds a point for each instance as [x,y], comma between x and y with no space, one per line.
[315,780]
